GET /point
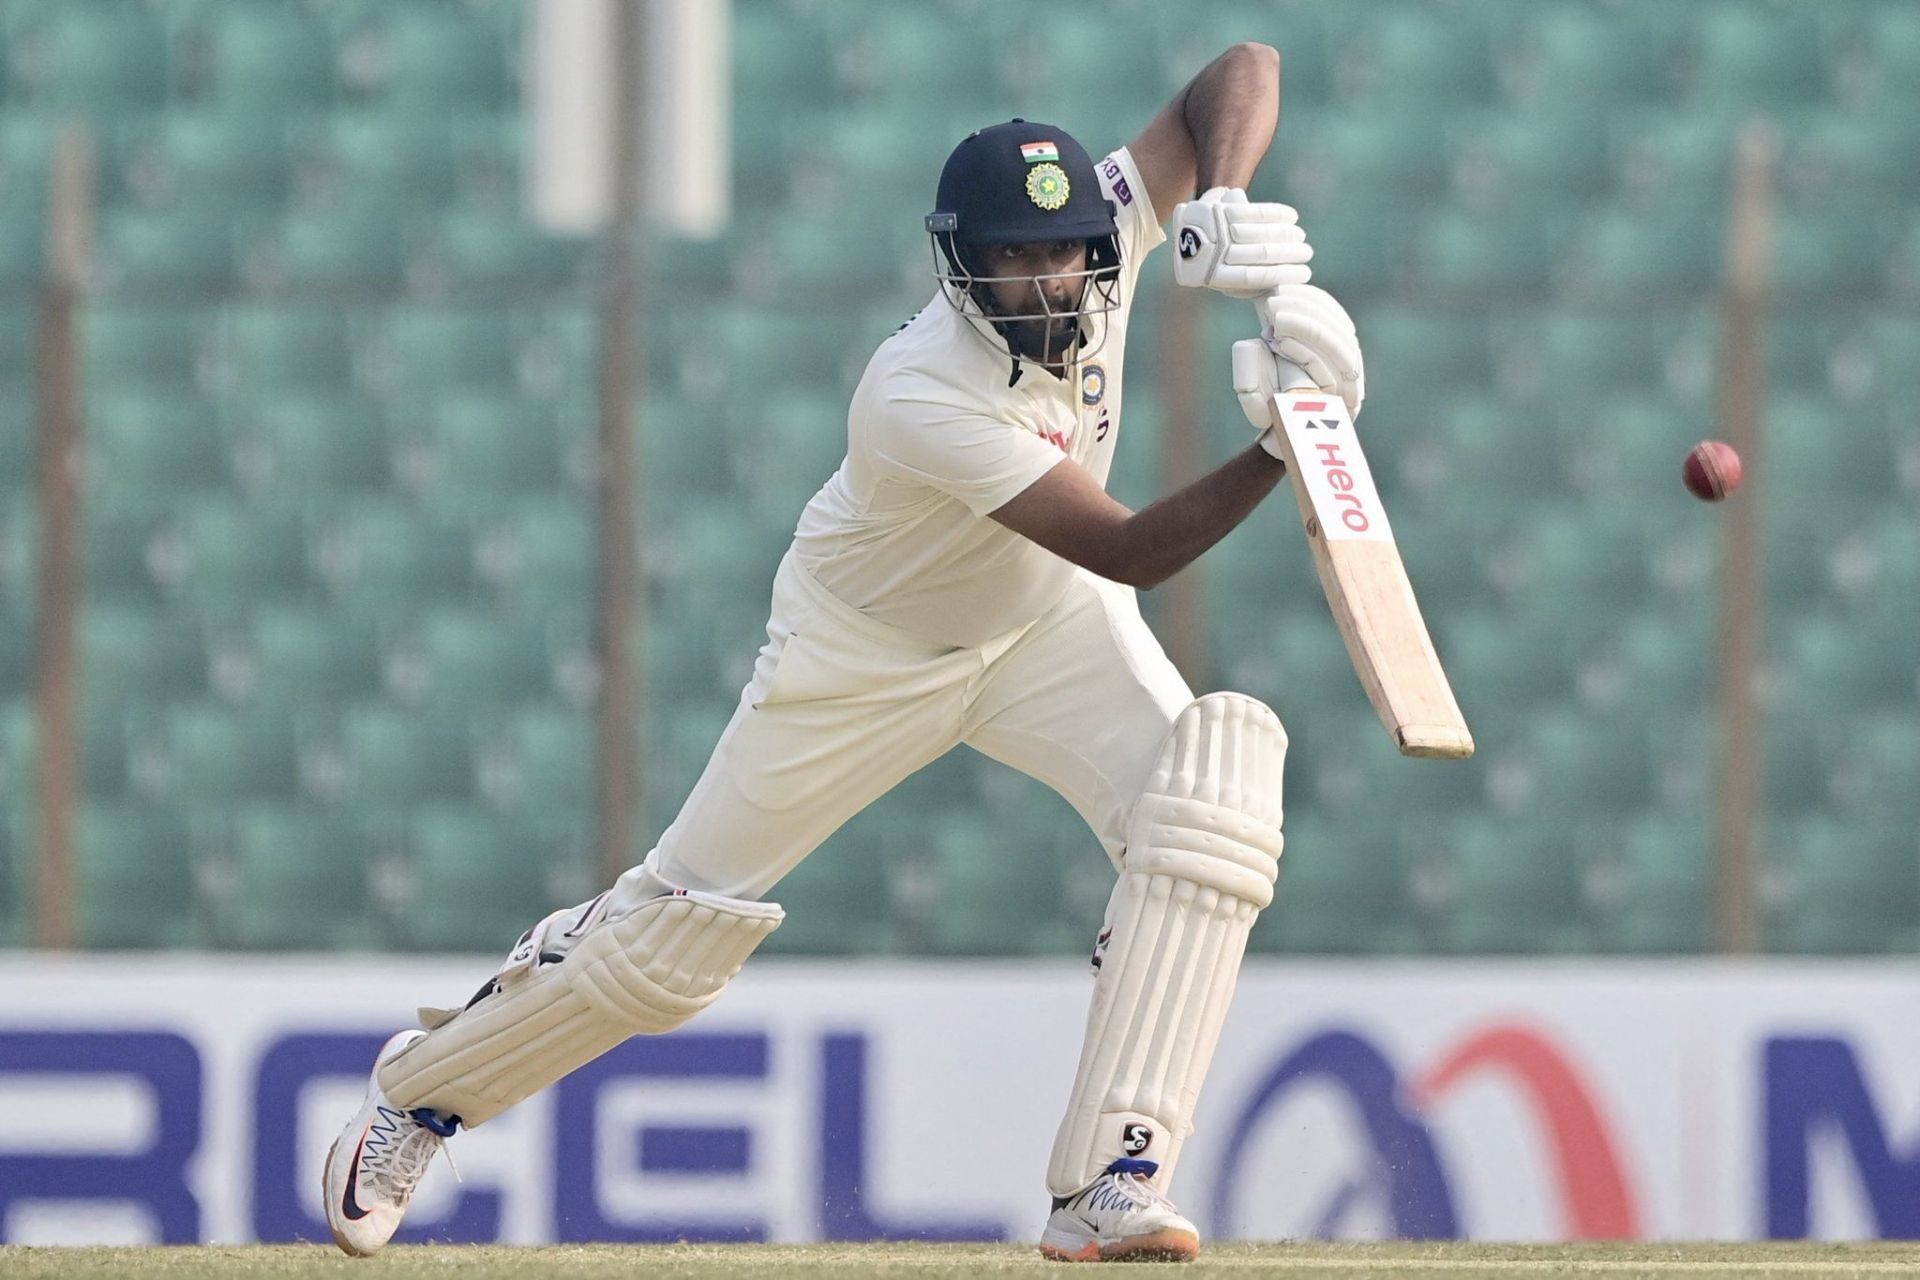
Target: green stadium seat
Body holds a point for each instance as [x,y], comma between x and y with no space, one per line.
[1414,59]
[1661,886]
[1872,777]
[1512,660]
[1390,157]
[392,758]
[134,879]
[434,58]
[1829,243]
[17,339]
[390,556]
[1661,658]
[429,350]
[388,156]
[1344,889]
[141,346]
[209,753]
[999,893]
[1891,46]
[682,450]
[238,157]
[1828,449]
[1844,663]
[300,882]
[1678,156]
[1744,57]
[275,347]
[129,652]
[91,56]
[1360,241]
[539,760]
[1463,250]
[1580,562]
[1574,55]
[1643,254]
[1882,345]
[462,660]
[300,448]
[1520,162]
[495,245]
[27,142]
[1845,886]
[1851,153]
[926,56]
[300,657]
[223,556]
[16,654]
[267,57]
[479,882]
[1570,762]
[542,557]
[187,247]
[359,245]
[153,446]
[1517,886]
[838,900]
[478,448]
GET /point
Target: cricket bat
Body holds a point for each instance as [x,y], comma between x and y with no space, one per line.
[1360,570]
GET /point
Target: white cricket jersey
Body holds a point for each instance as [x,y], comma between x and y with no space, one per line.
[936,439]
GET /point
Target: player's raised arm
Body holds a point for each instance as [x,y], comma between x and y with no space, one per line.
[1214,131]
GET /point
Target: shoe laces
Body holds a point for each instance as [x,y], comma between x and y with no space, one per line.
[396,1170]
[1138,1188]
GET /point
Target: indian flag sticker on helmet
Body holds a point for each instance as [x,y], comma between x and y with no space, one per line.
[1047,186]
[1035,152]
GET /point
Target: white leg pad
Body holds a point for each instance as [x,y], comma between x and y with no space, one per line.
[1203,850]
[640,973]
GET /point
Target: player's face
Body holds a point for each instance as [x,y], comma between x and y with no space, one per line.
[1008,275]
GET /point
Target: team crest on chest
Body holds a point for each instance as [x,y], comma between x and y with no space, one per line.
[1047,186]
[1093,384]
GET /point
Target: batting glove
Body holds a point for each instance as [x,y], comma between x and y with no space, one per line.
[1304,325]
[1242,249]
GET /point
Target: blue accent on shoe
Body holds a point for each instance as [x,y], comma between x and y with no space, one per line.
[1145,1168]
[446,1127]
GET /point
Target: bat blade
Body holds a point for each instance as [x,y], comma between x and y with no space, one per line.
[1364,579]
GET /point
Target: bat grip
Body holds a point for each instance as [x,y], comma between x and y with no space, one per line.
[1294,378]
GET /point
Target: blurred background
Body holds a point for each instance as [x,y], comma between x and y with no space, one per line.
[404,405]
[399,484]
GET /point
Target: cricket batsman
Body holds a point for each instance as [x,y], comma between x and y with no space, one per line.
[965,578]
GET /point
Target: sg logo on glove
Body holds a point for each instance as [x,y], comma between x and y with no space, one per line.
[1189,242]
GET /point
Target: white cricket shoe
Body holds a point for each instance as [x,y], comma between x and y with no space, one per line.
[377,1161]
[1119,1215]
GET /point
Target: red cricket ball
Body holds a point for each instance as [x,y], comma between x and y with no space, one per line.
[1712,470]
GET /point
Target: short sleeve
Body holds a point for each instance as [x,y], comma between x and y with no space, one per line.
[1133,208]
[982,462]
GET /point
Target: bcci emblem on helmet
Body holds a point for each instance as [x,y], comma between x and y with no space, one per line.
[1047,186]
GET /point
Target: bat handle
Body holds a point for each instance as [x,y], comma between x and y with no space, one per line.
[1294,378]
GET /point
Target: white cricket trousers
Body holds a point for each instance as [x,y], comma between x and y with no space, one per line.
[842,707]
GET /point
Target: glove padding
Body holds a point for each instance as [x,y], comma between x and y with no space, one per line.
[1242,249]
[1305,326]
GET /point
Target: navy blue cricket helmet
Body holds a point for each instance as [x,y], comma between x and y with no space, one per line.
[1022,182]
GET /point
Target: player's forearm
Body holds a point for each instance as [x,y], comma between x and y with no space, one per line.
[1162,539]
[1231,109]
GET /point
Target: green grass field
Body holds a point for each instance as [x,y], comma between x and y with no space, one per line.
[858,1262]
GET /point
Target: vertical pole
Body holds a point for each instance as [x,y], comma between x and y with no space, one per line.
[1743,585]
[57,467]
[1182,624]
[616,784]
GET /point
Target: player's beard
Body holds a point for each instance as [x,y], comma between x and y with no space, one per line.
[1050,341]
